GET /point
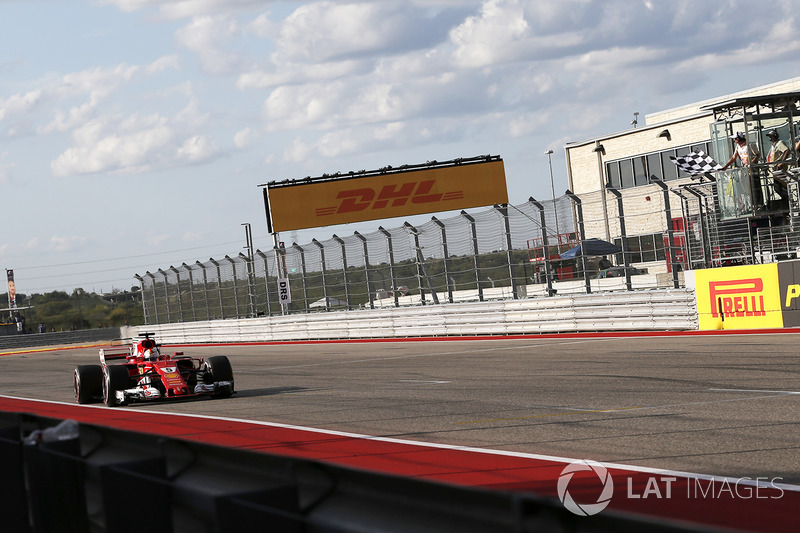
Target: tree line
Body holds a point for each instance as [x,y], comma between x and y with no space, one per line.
[61,311]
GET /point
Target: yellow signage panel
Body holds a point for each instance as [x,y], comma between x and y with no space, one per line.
[741,297]
[373,197]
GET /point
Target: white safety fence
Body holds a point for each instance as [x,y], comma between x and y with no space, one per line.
[648,310]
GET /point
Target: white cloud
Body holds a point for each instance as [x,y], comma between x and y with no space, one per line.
[131,145]
[244,138]
[162,63]
[297,152]
[197,148]
[96,84]
[58,243]
[486,39]
[263,26]
[154,239]
[322,31]
[299,73]
[193,236]
[19,103]
[207,36]
[178,9]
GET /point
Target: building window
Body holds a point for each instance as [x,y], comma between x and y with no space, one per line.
[640,175]
[613,175]
[636,171]
[668,168]
[643,248]
[626,173]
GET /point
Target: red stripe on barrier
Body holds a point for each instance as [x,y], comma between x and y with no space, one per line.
[716,502]
[532,336]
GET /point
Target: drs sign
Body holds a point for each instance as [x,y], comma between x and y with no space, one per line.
[284,294]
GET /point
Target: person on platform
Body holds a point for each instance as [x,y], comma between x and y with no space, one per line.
[747,154]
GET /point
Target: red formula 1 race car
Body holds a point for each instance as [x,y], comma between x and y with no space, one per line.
[147,374]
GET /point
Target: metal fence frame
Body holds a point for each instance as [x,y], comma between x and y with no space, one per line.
[460,258]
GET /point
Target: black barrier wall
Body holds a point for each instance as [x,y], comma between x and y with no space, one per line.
[71,477]
[31,340]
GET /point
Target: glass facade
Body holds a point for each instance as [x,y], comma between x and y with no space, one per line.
[636,171]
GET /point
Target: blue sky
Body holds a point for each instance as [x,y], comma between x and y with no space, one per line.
[134,133]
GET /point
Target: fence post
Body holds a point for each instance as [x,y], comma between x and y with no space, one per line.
[155,304]
[248,285]
[670,232]
[503,210]
[191,290]
[235,288]
[446,258]
[366,268]
[703,229]
[474,252]
[545,251]
[626,259]
[302,253]
[166,294]
[344,268]
[144,307]
[324,283]
[582,233]
[422,270]
[205,288]
[219,288]
[263,256]
[178,292]
[685,219]
[391,265]
[248,259]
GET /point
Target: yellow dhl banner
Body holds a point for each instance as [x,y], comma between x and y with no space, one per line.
[741,297]
[342,201]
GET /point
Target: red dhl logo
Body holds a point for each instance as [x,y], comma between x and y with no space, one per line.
[389,196]
[748,300]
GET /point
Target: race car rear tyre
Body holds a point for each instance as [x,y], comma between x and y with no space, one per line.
[88,383]
[114,378]
[220,369]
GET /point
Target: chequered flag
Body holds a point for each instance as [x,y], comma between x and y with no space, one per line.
[695,163]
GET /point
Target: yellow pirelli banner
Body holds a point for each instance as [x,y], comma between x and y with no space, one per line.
[321,202]
[741,297]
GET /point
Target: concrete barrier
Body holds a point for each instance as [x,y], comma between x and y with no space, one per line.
[658,309]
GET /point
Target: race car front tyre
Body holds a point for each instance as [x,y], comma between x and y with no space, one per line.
[220,369]
[114,378]
[88,383]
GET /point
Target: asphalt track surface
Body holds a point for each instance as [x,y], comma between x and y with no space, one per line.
[722,405]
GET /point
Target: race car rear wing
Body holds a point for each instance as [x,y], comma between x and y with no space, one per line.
[114,353]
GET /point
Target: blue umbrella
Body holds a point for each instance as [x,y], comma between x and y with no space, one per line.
[591,247]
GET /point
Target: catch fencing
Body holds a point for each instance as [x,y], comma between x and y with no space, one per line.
[503,252]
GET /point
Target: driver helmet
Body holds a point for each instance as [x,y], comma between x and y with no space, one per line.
[150,355]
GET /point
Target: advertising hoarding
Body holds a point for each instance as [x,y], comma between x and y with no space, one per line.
[311,203]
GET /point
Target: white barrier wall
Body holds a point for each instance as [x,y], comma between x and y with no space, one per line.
[662,309]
